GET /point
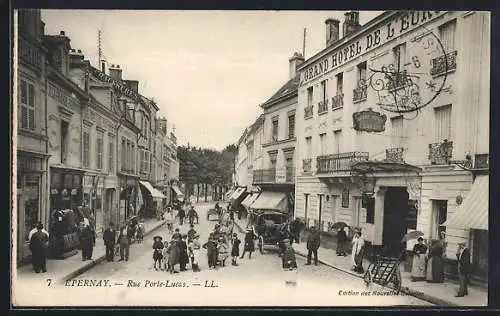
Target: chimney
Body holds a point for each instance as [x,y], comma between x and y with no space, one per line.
[332,31]
[115,72]
[295,61]
[351,23]
[75,57]
[132,85]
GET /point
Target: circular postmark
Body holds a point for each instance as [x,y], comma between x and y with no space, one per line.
[415,77]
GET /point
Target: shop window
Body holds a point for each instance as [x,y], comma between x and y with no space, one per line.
[27,105]
[345,198]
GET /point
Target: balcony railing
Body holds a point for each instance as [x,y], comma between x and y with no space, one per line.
[340,162]
[307,165]
[308,111]
[290,175]
[323,107]
[444,63]
[264,175]
[397,80]
[338,101]
[440,153]
[394,154]
[481,161]
[30,52]
[359,93]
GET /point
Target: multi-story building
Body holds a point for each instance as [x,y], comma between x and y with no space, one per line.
[30,127]
[278,147]
[408,106]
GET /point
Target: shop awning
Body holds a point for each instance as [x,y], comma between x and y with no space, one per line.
[250,199]
[473,212]
[177,191]
[237,193]
[271,201]
[229,193]
[154,192]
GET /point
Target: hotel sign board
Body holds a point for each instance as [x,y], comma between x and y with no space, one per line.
[400,24]
[369,121]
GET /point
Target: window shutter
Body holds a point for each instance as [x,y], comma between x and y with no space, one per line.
[24,117]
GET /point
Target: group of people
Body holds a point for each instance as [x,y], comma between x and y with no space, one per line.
[428,262]
[180,250]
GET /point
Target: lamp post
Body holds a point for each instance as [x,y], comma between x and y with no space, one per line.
[368,185]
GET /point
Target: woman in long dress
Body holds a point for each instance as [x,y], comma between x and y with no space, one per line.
[435,264]
[418,265]
[358,244]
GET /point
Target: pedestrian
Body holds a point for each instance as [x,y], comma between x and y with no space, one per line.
[194,253]
[183,253]
[125,239]
[177,235]
[435,264]
[235,251]
[295,229]
[192,215]
[463,258]
[358,247]
[181,215]
[169,219]
[39,244]
[249,244]
[191,233]
[87,241]
[222,251]
[35,229]
[341,240]
[109,237]
[211,248]
[313,243]
[173,256]
[157,251]
[139,236]
[289,263]
[418,262]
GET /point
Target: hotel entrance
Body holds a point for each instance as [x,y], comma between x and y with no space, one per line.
[395,216]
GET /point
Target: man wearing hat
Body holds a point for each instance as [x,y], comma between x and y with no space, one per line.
[109,237]
[157,251]
[463,258]
[39,243]
[249,244]
[183,253]
[313,243]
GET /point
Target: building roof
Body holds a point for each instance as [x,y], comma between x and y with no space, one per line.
[289,89]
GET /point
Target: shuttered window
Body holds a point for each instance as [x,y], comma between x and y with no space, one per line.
[442,123]
[86,146]
[99,150]
[111,156]
[397,130]
[27,105]
[447,35]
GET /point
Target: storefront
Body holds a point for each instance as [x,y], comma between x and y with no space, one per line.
[93,193]
[130,197]
[30,198]
[66,195]
[177,194]
[153,200]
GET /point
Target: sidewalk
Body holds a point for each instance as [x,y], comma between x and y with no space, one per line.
[442,294]
[62,270]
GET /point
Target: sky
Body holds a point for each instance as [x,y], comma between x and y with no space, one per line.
[208,71]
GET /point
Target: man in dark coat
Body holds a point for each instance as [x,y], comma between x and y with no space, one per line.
[183,253]
[109,237]
[313,243]
[191,233]
[39,243]
[295,230]
[341,240]
[249,244]
[87,241]
[125,239]
[181,215]
[463,258]
[211,247]
[176,235]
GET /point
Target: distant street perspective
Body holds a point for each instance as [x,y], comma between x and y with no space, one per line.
[187,158]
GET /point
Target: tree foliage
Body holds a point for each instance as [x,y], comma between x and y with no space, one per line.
[201,165]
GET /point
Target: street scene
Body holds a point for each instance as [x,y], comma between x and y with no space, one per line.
[342,161]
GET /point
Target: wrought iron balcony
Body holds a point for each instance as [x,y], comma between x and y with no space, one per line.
[440,153]
[340,162]
[359,93]
[307,165]
[338,101]
[444,63]
[29,51]
[308,111]
[397,80]
[394,154]
[481,161]
[264,176]
[323,107]
[290,175]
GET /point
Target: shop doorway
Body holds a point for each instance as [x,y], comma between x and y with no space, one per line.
[395,214]
[110,193]
[480,253]
[438,217]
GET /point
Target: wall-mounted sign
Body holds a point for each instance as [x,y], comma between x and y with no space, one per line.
[369,121]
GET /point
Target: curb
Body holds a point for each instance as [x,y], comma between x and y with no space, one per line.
[100,259]
[406,290]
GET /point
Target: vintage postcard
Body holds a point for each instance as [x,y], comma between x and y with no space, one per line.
[250,158]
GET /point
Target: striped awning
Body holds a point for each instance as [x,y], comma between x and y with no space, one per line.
[237,193]
[473,212]
[271,201]
[229,193]
[250,199]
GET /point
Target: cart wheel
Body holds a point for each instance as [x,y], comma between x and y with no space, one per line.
[367,277]
[261,244]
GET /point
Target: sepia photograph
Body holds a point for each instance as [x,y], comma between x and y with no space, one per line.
[197,158]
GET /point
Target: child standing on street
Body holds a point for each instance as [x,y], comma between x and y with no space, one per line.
[235,251]
[222,251]
[211,247]
[157,251]
[194,253]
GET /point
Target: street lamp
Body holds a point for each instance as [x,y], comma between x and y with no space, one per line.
[368,185]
